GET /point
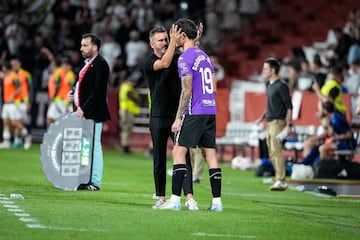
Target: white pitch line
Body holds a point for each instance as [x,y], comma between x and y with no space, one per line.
[15,210]
[10,206]
[27,219]
[218,235]
[36,226]
[6,202]
[77,229]
[22,214]
[31,222]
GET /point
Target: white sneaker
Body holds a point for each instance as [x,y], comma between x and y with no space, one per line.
[191,205]
[216,208]
[279,186]
[5,145]
[158,204]
[27,143]
[169,205]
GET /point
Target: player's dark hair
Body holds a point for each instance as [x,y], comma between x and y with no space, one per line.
[188,27]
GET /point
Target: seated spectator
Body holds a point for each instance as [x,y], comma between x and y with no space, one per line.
[338,135]
[332,89]
[311,144]
[305,76]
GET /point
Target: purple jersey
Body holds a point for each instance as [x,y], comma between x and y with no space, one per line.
[197,63]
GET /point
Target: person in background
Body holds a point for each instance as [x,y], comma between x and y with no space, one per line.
[339,131]
[90,100]
[219,71]
[338,135]
[135,50]
[278,115]
[25,79]
[11,113]
[197,162]
[195,122]
[129,101]
[330,87]
[60,83]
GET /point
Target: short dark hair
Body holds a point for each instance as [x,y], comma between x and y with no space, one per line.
[328,106]
[334,92]
[188,27]
[273,63]
[95,39]
[157,29]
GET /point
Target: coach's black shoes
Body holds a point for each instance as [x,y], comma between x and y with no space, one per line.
[89,187]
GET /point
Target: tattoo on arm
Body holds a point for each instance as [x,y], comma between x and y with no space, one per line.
[186,94]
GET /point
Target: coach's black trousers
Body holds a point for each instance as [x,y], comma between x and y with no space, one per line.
[160,129]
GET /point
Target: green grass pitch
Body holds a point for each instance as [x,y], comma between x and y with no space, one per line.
[122,209]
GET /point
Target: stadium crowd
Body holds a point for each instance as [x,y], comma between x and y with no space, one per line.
[124,26]
[43,37]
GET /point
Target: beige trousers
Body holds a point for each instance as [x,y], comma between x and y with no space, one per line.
[274,127]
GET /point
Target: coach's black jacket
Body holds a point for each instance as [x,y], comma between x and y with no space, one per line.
[93,91]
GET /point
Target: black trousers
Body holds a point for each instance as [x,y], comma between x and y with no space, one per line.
[160,129]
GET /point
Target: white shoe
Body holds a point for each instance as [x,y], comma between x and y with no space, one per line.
[191,205]
[216,208]
[169,205]
[5,145]
[158,204]
[279,186]
[27,143]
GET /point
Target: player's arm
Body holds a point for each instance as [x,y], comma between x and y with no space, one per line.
[167,58]
[261,118]
[186,92]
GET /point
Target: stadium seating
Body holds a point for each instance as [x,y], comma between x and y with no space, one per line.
[280,26]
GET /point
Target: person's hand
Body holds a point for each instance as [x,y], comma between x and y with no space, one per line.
[47,53]
[288,129]
[200,29]
[176,126]
[175,32]
[315,86]
[259,120]
[80,113]
[70,96]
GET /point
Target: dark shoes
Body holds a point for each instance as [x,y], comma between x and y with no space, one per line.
[196,181]
[89,187]
[125,149]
